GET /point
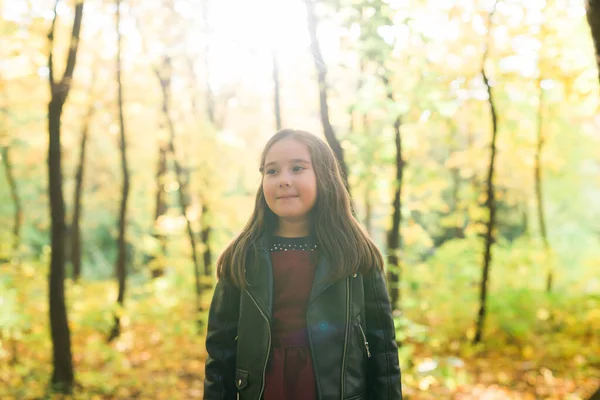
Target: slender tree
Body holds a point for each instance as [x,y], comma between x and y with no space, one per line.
[164,74]
[375,50]
[120,265]
[62,363]
[457,230]
[321,68]
[393,235]
[359,120]
[205,234]
[14,194]
[490,200]
[5,154]
[160,209]
[77,203]
[210,96]
[276,96]
[208,112]
[539,197]
[541,138]
[593,17]
[369,185]
[524,216]
[205,217]
[368,188]
[595,395]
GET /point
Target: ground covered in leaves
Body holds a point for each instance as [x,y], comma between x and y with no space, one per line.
[160,353]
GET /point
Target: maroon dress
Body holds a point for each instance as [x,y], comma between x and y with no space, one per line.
[290,373]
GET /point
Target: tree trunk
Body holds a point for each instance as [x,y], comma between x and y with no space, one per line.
[322,79]
[393,236]
[593,17]
[276,89]
[120,265]
[473,181]
[62,360]
[210,98]
[457,230]
[62,377]
[538,182]
[204,237]
[490,200]
[368,188]
[160,208]
[14,194]
[355,117]
[164,77]
[77,208]
[524,207]
[596,395]
[368,210]
[206,220]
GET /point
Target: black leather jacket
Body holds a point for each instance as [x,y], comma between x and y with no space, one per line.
[350,329]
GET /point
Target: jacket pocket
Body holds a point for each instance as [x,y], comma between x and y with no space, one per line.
[241,379]
[361,396]
[363,337]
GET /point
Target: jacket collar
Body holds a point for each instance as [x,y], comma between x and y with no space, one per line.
[259,276]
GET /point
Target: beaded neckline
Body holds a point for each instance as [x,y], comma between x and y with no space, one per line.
[280,243]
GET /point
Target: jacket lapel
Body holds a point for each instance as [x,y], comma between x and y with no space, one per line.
[259,278]
[321,283]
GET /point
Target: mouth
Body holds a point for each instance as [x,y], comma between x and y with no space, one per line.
[286,197]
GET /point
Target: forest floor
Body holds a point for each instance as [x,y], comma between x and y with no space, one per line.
[143,364]
[160,353]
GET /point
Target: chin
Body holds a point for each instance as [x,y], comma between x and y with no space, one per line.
[292,214]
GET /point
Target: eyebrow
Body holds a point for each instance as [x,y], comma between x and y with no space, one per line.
[294,160]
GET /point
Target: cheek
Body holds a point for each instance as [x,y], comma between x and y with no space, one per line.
[311,186]
[268,188]
[314,194]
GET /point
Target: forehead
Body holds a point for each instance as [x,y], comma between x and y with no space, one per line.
[287,149]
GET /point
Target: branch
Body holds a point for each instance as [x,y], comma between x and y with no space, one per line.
[51,40]
[66,80]
[489,29]
[314,43]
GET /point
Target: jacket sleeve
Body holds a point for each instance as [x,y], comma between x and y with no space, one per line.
[221,345]
[383,369]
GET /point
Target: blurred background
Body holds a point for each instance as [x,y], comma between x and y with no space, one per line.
[468,130]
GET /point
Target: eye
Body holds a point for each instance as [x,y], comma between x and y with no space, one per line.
[270,171]
[298,168]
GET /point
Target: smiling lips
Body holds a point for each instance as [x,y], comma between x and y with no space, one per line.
[288,196]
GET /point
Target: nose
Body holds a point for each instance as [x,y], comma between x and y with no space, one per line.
[284,180]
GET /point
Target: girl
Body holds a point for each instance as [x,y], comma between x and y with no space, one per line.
[301,310]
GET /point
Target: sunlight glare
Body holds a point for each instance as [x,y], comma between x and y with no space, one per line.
[15,11]
[247,36]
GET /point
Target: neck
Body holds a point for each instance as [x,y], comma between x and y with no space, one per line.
[292,228]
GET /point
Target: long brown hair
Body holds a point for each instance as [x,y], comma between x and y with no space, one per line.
[339,236]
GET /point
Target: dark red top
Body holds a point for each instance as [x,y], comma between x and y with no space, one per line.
[290,373]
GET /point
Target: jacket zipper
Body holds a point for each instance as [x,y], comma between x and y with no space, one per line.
[312,356]
[262,388]
[346,335]
[364,339]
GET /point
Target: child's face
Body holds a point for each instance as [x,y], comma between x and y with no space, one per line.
[289,181]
